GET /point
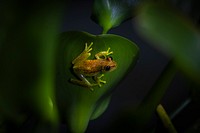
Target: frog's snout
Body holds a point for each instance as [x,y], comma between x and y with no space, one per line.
[110,67]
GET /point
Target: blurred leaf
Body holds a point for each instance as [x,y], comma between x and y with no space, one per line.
[194,128]
[27,56]
[189,7]
[136,119]
[100,108]
[174,35]
[195,94]
[111,13]
[78,104]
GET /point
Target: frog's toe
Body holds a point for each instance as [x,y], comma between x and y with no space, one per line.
[101,81]
[109,52]
[99,84]
[91,88]
[88,48]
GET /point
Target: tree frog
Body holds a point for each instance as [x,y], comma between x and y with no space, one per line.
[83,67]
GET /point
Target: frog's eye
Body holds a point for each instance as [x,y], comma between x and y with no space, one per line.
[107,68]
[109,58]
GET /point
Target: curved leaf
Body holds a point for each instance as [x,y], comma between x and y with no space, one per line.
[111,13]
[137,118]
[100,108]
[79,104]
[174,35]
[27,56]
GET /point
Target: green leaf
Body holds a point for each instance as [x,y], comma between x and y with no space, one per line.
[100,108]
[174,35]
[27,56]
[135,119]
[111,13]
[79,104]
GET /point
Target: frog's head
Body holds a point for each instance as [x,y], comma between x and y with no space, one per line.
[110,65]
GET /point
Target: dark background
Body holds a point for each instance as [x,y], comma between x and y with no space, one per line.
[137,83]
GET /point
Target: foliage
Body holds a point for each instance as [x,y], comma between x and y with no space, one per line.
[79,104]
[36,64]
[111,13]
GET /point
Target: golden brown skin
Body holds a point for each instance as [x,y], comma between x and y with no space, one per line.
[83,67]
[94,67]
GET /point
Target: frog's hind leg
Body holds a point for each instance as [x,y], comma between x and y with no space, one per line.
[83,82]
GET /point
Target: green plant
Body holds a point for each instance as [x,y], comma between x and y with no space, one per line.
[36,63]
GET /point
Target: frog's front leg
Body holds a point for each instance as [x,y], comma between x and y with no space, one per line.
[84,55]
[99,80]
[103,54]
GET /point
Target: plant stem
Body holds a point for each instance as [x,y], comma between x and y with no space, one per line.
[136,119]
[165,119]
[105,30]
[180,108]
[153,98]
[161,85]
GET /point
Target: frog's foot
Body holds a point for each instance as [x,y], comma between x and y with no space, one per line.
[103,54]
[88,48]
[99,80]
[108,52]
[84,55]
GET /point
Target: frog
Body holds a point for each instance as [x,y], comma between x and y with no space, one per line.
[95,68]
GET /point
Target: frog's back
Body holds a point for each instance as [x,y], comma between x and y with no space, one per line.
[88,67]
